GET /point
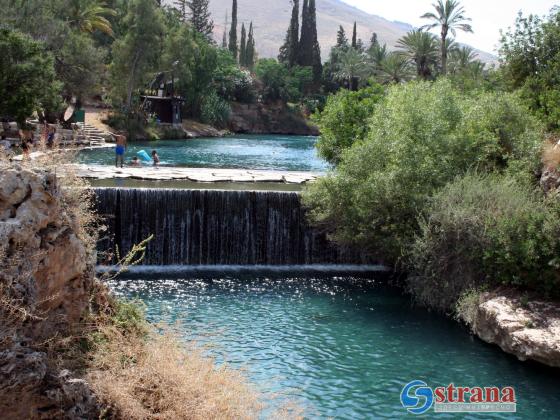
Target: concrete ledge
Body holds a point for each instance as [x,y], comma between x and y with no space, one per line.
[194,174]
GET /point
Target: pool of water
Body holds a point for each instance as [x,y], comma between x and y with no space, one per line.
[338,346]
[290,153]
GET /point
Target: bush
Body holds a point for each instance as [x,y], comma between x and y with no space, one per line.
[421,136]
[344,120]
[486,230]
[215,111]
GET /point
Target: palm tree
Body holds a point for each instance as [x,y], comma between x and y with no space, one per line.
[90,16]
[378,54]
[353,67]
[395,68]
[461,58]
[421,48]
[449,17]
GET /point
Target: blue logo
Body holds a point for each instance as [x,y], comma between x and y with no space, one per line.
[417,397]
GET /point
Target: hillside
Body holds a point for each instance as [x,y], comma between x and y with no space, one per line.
[271,19]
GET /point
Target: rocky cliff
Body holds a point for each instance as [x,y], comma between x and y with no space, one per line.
[275,118]
[46,282]
[528,330]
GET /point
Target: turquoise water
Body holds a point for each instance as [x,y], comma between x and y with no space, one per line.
[294,153]
[340,347]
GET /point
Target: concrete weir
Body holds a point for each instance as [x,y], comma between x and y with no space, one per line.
[164,173]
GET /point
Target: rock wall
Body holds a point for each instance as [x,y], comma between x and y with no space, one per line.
[261,118]
[530,331]
[46,280]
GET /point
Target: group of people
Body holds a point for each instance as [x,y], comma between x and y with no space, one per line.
[120,150]
[27,138]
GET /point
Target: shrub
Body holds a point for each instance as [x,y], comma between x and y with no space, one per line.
[421,136]
[485,230]
[215,111]
[344,120]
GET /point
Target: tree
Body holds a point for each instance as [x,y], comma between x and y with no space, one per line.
[352,68]
[342,121]
[449,17]
[394,69]
[421,48]
[461,59]
[200,18]
[91,16]
[138,51]
[182,6]
[243,47]
[233,31]
[341,40]
[315,53]
[530,58]
[27,76]
[289,50]
[224,39]
[355,37]
[250,52]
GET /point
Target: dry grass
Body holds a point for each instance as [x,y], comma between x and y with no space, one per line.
[551,154]
[155,377]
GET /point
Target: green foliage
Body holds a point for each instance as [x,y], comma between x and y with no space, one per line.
[137,53]
[215,110]
[232,44]
[129,316]
[420,138]
[486,231]
[344,120]
[230,82]
[27,76]
[282,83]
[530,56]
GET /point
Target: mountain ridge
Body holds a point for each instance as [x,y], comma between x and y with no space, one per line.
[271,23]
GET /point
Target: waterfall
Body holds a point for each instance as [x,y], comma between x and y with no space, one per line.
[215,227]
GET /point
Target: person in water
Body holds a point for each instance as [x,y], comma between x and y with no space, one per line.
[155,158]
[135,162]
[120,149]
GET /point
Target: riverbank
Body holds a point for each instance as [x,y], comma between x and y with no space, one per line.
[527,329]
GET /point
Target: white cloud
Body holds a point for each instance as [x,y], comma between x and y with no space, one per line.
[488,16]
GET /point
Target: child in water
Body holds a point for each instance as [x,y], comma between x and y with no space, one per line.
[155,158]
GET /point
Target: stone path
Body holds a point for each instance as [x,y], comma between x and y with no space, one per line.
[195,174]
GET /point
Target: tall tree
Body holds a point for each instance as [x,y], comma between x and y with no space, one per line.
[243,47]
[341,40]
[138,51]
[233,30]
[289,51]
[200,18]
[355,37]
[91,17]
[449,17]
[305,42]
[316,48]
[183,8]
[421,48]
[224,39]
[250,52]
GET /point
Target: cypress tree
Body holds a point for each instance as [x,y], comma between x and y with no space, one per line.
[289,50]
[355,37]
[250,53]
[341,39]
[224,40]
[243,47]
[315,47]
[304,57]
[182,6]
[201,18]
[233,31]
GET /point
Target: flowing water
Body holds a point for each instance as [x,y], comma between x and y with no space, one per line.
[337,346]
[290,153]
[194,227]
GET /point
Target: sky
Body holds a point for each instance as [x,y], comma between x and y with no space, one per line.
[488,16]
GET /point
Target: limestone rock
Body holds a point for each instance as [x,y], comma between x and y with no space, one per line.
[47,275]
[530,332]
